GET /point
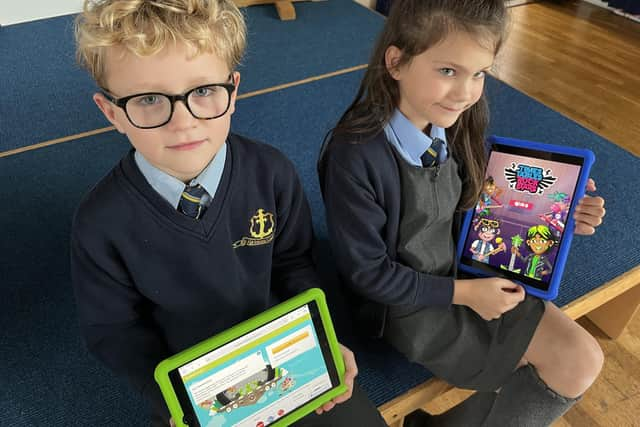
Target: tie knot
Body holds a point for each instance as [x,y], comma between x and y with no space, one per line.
[190,201]
[432,155]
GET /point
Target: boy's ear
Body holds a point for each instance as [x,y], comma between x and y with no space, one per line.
[236,81]
[392,57]
[109,111]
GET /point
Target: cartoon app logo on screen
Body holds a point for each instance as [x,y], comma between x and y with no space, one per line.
[528,178]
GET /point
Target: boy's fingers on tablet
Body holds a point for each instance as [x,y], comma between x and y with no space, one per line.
[351,368]
[328,406]
[591,185]
[344,396]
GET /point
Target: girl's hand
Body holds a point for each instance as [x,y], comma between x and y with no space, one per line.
[350,372]
[172,423]
[490,297]
[589,212]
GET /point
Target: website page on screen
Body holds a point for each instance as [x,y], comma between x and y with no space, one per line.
[260,377]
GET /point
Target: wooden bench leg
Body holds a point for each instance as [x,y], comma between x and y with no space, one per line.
[613,316]
[395,410]
[286,11]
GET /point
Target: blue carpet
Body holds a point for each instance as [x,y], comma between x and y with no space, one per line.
[48,378]
[46,96]
[44,359]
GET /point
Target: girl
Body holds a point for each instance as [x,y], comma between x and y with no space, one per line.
[402,163]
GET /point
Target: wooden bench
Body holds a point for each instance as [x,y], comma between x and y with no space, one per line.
[285,8]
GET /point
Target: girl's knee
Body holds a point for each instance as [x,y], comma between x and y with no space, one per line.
[573,364]
[594,357]
[586,362]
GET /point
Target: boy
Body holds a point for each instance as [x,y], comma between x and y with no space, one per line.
[195,229]
[540,240]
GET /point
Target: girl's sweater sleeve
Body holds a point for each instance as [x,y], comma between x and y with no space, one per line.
[357,219]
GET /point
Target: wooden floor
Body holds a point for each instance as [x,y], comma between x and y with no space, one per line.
[584,62]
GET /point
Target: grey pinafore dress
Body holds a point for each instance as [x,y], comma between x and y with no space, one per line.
[454,342]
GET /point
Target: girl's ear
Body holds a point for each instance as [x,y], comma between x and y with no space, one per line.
[392,57]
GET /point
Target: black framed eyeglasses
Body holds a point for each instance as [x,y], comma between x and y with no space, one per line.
[491,223]
[154,109]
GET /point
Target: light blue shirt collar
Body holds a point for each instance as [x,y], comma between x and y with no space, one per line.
[410,141]
[171,188]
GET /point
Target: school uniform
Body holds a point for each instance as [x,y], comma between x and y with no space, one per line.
[150,281]
[393,226]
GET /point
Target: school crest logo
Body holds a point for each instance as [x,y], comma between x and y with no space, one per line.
[262,227]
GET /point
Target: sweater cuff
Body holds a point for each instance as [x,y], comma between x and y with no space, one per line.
[434,291]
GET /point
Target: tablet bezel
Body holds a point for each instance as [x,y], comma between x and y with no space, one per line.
[567,155]
[175,393]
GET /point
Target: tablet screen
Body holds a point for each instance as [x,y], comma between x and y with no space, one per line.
[519,221]
[260,377]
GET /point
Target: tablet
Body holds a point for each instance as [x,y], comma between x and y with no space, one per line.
[522,225]
[270,370]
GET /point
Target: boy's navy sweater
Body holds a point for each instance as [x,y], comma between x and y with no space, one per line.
[150,281]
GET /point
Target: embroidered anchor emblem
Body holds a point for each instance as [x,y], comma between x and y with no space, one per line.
[261,227]
[262,220]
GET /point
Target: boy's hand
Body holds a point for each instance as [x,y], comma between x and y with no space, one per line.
[490,297]
[350,372]
[589,212]
[171,423]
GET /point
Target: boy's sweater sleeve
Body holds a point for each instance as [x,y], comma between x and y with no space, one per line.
[110,317]
[356,222]
[293,270]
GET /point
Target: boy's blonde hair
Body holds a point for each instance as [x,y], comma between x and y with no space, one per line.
[144,27]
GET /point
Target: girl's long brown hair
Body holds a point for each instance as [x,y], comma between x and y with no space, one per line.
[414,26]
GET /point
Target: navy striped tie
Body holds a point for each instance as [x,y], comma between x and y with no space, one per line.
[190,201]
[432,155]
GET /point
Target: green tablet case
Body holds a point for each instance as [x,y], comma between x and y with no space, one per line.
[186,356]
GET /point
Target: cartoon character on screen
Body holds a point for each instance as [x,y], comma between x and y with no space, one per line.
[539,241]
[286,385]
[559,209]
[482,248]
[488,198]
[516,242]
